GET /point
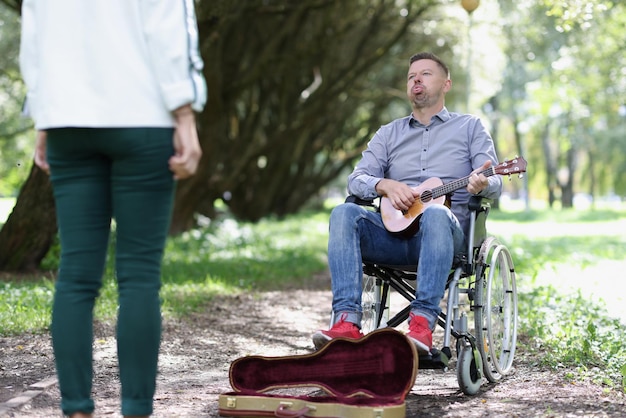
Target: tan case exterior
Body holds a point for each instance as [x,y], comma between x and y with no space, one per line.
[234,405]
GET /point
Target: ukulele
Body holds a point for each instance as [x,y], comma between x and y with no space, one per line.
[433,192]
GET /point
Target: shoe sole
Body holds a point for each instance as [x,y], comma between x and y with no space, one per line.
[320,340]
[421,347]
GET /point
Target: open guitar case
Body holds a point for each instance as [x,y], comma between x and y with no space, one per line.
[368,377]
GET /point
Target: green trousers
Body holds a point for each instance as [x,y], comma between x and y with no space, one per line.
[98,175]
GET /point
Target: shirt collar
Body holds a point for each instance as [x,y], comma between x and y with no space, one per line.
[443,116]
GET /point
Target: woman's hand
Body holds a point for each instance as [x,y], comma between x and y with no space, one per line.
[184,162]
[41,159]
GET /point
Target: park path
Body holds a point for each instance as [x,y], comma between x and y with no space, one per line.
[197,352]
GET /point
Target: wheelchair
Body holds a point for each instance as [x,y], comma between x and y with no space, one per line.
[480,304]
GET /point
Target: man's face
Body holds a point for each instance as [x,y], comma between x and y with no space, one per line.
[426,84]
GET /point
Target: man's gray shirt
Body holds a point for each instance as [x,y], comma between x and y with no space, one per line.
[450,148]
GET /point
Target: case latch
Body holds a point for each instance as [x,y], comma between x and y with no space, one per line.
[231,402]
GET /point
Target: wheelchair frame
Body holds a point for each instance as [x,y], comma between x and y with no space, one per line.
[486,278]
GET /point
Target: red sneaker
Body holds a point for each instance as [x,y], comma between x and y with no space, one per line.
[343,329]
[420,334]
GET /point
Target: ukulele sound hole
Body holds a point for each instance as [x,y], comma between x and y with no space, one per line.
[426,196]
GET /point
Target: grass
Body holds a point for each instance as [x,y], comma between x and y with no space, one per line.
[557,254]
[567,263]
[216,259]
[232,257]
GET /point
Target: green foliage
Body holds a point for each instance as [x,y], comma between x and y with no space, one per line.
[231,257]
[52,259]
[534,254]
[221,258]
[569,119]
[571,14]
[16,145]
[559,216]
[25,305]
[560,325]
[571,237]
[567,331]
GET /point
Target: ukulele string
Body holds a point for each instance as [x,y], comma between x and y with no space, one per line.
[447,188]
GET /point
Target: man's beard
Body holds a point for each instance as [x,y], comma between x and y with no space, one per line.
[423,100]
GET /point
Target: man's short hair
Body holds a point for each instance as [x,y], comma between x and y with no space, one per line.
[432,57]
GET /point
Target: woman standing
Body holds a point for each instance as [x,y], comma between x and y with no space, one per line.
[112,87]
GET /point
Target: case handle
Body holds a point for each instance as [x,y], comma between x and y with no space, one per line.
[283,412]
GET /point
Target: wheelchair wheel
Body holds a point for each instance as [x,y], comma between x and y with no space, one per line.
[372,305]
[495,313]
[468,369]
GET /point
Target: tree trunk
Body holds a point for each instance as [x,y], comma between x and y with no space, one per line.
[521,149]
[567,189]
[31,227]
[551,178]
[495,124]
[296,89]
[593,181]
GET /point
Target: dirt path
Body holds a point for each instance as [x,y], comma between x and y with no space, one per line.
[196,355]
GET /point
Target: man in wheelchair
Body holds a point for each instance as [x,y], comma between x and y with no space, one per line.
[402,164]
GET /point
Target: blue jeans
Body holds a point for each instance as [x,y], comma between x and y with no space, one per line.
[357,234]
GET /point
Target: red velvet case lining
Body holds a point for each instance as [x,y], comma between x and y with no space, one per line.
[383,364]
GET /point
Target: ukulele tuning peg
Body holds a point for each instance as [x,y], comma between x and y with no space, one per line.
[521,175]
[509,177]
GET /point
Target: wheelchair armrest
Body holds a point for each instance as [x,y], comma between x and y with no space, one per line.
[479,204]
[361,202]
[475,203]
[479,208]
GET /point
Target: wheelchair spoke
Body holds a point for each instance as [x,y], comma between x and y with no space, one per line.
[496,310]
[374,303]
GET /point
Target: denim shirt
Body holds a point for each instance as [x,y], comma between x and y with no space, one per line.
[450,147]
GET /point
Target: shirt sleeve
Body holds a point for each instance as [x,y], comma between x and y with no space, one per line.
[171,32]
[370,169]
[482,149]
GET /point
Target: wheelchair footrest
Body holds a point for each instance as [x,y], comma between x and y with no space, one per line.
[434,360]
